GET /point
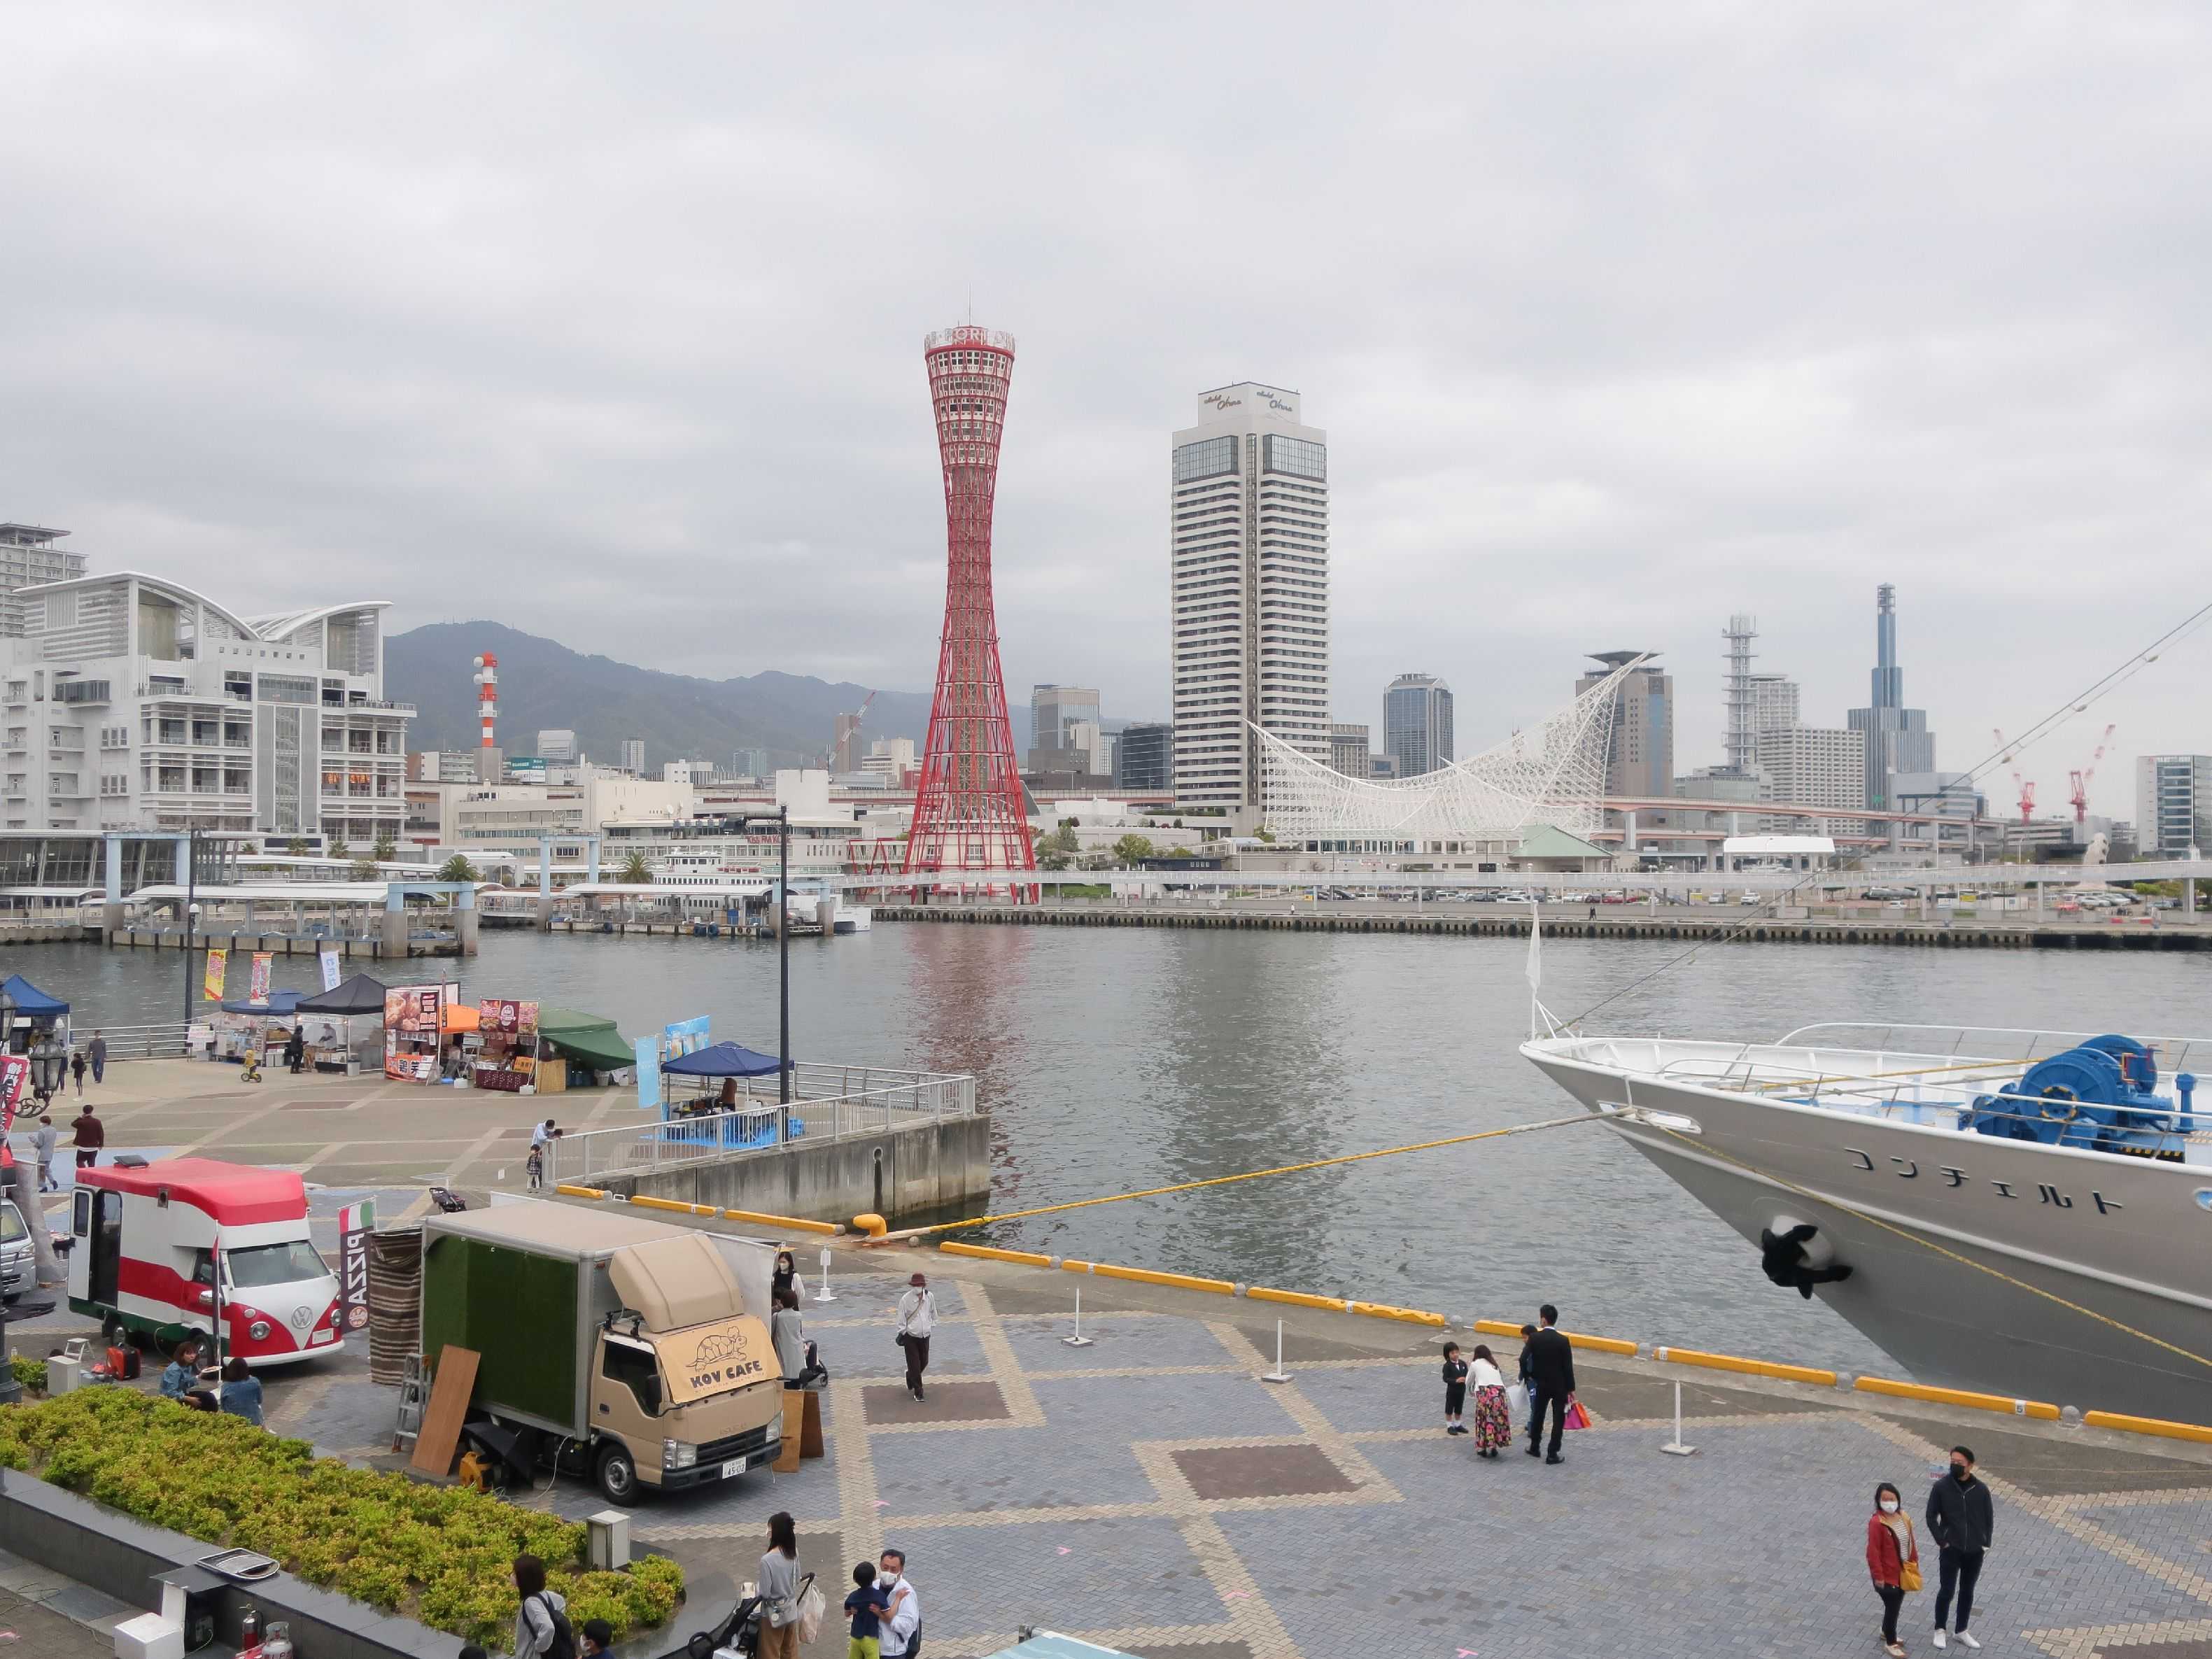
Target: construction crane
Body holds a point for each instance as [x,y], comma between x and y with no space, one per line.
[2026,788]
[2080,779]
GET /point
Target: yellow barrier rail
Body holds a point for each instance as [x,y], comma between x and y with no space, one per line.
[579,1191]
[1729,1362]
[1027,1258]
[1980,1403]
[2157,1425]
[1296,1299]
[1072,1265]
[790,1222]
[1177,1281]
[1408,1316]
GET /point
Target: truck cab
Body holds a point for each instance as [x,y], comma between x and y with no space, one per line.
[19,1267]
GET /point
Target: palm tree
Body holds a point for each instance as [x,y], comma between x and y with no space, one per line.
[635,871]
[386,848]
[457,868]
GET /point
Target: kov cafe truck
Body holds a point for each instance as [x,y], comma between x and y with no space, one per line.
[611,1348]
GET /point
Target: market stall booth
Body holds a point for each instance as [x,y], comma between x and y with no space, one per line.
[344,1026]
[415,1029]
[261,1028]
[34,1017]
[713,1092]
[588,1049]
[505,1053]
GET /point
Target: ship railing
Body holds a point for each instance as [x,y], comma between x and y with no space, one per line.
[2173,1052]
[760,1122]
[1953,1093]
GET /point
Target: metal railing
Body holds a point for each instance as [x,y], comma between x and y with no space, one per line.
[828,1102]
[163,1041]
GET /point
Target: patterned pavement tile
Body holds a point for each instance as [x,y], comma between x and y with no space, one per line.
[1072,1576]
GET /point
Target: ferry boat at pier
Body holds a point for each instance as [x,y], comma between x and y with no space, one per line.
[2024,1214]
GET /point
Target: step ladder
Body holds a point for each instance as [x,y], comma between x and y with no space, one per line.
[414,1395]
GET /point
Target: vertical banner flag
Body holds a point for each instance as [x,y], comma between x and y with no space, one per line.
[259,991]
[330,968]
[15,1076]
[356,1223]
[211,982]
[648,1073]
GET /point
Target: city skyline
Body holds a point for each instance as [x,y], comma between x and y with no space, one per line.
[1653,389]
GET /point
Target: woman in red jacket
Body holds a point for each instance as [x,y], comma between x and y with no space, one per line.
[1893,1557]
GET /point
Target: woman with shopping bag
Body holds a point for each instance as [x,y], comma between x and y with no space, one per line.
[780,1590]
[1893,1557]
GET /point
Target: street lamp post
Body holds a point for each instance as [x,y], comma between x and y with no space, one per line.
[192,877]
[782,942]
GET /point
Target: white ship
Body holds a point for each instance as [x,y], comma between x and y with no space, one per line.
[2025,1213]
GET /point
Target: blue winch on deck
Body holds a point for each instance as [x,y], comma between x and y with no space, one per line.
[2101,1097]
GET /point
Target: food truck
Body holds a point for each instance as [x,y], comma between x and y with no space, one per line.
[146,1241]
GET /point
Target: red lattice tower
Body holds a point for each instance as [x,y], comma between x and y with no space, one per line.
[968,812]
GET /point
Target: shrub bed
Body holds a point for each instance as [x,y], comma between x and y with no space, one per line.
[31,1373]
[442,1555]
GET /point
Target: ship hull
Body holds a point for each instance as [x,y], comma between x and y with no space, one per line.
[2005,1268]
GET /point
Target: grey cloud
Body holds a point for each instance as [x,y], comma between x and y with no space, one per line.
[1620,318]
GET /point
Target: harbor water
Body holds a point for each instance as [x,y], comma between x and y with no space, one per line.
[1118,1058]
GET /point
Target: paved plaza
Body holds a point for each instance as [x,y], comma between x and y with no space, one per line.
[1148,1493]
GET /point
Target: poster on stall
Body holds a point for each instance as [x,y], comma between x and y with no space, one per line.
[516,1022]
[410,1031]
[212,981]
[330,968]
[259,991]
[15,1077]
[356,1223]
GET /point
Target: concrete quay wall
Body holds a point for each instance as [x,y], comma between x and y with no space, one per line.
[1965,935]
[900,1173]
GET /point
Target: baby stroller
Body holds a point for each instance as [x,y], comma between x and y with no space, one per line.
[738,1636]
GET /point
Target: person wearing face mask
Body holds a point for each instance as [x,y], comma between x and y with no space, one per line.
[1894,1558]
[1959,1520]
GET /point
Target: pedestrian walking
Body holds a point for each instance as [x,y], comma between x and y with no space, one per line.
[779,1590]
[296,1051]
[868,1606]
[1455,1389]
[43,1139]
[91,1135]
[77,1070]
[917,1318]
[1528,1376]
[1893,1556]
[1493,1423]
[1552,1371]
[541,1622]
[241,1394]
[901,1637]
[98,1052]
[1960,1519]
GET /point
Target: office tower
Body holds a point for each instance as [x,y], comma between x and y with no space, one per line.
[1897,738]
[1774,704]
[969,810]
[1143,759]
[749,762]
[557,747]
[28,556]
[1738,739]
[1348,744]
[845,743]
[1417,723]
[1248,594]
[2173,804]
[1054,709]
[1639,759]
[890,758]
[1813,765]
[633,756]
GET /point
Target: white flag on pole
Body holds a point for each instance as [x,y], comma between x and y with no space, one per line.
[330,968]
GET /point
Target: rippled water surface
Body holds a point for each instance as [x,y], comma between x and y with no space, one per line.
[1116,1058]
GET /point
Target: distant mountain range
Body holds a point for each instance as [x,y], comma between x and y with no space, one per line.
[546,686]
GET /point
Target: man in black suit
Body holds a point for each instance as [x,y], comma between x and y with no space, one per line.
[1552,1370]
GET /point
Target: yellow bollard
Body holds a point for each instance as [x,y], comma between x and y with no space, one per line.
[872,1225]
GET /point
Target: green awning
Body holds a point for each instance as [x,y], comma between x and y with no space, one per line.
[600,1046]
[589,1037]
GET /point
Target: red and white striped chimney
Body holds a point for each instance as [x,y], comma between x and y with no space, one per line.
[488,693]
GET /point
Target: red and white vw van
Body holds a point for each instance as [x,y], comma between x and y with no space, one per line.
[145,1244]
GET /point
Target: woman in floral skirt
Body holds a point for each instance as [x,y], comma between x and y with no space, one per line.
[1493,1425]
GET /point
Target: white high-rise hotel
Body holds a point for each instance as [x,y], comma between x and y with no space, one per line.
[1249,507]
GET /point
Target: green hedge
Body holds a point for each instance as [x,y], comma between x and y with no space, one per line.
[31,1373]
[442,1555]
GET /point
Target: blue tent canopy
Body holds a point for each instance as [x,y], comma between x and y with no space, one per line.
[281,1004]
[722,1059]
[34,1004]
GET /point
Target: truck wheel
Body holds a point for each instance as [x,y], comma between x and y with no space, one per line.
[113,1332]
[618,1475]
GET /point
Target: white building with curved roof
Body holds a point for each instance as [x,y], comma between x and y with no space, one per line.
[134,702]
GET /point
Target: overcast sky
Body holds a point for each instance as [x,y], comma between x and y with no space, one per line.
[606,322]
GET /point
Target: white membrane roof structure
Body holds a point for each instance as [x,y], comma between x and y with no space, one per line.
[1553,774]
